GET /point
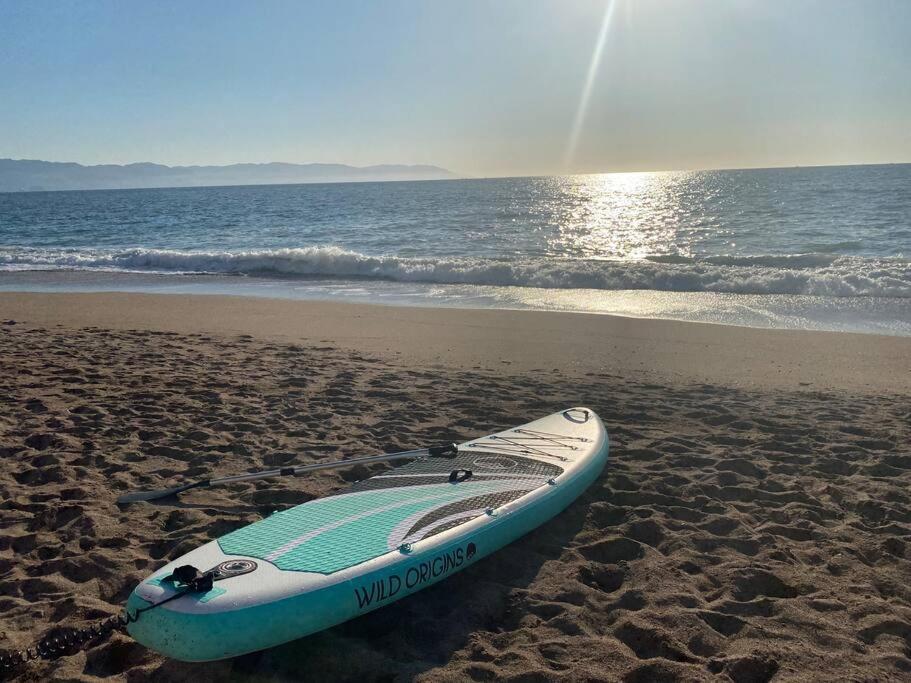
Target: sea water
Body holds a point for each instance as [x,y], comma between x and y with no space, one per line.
[821,248]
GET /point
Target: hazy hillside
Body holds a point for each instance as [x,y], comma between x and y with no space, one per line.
[26,175]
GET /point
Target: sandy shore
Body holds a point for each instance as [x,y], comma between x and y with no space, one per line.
[506,341]
[753,523]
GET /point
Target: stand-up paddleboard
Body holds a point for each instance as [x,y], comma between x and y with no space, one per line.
[329,560]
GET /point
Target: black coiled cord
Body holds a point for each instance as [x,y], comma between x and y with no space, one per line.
[65,643]
[72,641]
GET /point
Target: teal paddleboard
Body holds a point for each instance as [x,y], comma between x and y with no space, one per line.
[332,559]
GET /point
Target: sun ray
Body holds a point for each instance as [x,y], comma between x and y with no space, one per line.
[589,84]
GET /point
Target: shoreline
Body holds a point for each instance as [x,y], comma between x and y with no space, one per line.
[511,341]
[879,315]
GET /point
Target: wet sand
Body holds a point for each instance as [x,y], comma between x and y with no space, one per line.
[752,524]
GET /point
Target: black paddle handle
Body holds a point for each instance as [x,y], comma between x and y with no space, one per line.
[446,450]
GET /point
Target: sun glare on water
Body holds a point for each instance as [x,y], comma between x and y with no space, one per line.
[612,215]
[622,216]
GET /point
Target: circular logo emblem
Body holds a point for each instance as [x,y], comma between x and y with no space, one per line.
[235,567]
[470,551]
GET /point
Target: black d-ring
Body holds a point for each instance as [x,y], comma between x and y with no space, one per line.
[457,476]
[572,417]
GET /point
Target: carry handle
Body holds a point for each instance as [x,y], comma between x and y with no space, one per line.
[458,476]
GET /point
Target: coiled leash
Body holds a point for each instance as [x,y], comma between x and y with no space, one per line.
[188,578]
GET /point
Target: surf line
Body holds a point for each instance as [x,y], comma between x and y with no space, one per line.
[386,588]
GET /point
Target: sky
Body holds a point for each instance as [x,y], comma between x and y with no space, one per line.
[484,88]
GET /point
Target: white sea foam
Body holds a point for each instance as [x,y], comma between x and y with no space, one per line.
[812,274]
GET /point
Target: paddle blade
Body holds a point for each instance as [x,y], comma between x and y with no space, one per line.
[141,496]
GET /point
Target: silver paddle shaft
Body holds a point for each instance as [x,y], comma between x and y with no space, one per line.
[335,464]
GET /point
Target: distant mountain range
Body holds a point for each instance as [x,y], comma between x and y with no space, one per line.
[23,175]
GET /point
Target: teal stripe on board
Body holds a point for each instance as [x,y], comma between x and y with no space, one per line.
[330,534]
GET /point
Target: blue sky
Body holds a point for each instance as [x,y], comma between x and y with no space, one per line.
[483,88]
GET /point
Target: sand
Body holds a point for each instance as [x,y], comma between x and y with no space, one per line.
[753,522]
[519,342]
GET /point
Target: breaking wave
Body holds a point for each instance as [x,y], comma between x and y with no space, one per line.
[811,274]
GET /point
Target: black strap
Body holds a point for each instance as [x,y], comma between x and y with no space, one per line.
[457,476]
[192,579]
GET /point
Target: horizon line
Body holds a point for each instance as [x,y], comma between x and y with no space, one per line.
[459,177]
[464,175]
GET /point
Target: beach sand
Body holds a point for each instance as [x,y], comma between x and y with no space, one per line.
[752,524]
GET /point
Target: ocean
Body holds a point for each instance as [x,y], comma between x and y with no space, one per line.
[809,248]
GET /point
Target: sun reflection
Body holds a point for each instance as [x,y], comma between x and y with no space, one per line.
[625,216]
